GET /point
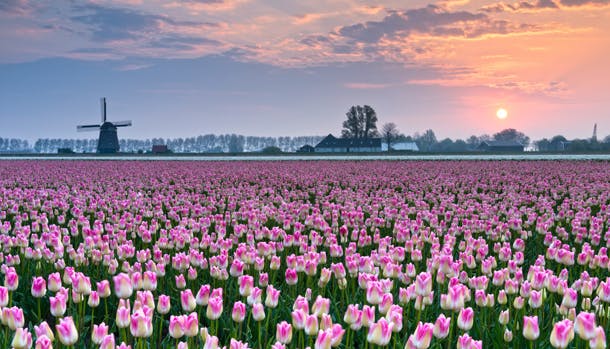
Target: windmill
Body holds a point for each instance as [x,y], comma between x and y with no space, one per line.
[108,142]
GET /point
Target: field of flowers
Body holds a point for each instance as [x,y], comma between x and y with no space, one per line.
[439,254]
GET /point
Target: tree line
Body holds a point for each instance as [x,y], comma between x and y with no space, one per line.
[209,143]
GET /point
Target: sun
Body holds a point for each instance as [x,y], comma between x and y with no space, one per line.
[501,113]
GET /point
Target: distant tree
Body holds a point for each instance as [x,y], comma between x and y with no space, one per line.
[510,134]
[271,150]
[236,143]
[361,122]
[460,145]
[542,145]
[370,122]
[426,141]
[558,143]
[389,133]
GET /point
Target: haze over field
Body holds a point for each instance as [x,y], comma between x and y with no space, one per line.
[293,68]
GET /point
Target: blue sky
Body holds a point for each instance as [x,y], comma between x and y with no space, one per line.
[279,68]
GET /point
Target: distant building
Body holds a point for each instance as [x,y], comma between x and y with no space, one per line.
[400,146]
[160,149]
[501,146]
[306,149]
[332,144]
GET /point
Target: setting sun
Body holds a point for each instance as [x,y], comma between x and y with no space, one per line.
[501,113]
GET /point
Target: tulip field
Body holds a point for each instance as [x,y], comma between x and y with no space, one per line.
[297,254]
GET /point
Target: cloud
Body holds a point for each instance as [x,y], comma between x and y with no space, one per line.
[432,20]
[16,7]
[522,6]
[575,3]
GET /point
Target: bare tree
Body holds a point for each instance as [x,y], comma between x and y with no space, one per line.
[389,133]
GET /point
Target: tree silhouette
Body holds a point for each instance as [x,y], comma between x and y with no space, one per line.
[361,122]
[389,133]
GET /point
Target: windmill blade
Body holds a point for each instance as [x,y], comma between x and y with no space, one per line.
[103,105]
[122,123]
[87,127]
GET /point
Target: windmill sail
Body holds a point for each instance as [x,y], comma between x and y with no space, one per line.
[122,123]
[103,105]
[87,127]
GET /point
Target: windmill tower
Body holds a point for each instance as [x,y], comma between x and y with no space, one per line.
[108,142]
[594,138]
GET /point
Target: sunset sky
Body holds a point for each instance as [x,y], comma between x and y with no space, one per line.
[280,67]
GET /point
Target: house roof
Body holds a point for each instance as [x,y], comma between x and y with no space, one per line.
[331,141]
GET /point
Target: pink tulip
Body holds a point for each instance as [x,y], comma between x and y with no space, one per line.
[562,334]
[239,312]
[599,340]
[190,325]
[291,276]
[3,296]
[43,342]
[141,323]
[422,336]
[163,304]
[103,289]
[311,325]
[531,331]
[149,281]
[187,300]
[321,306]
[298,319]
[246,283]
[203,295]
[584,325]
[122,286]
[380,332]
[22,339]
[94,299]
[258,312]
[11,280]
[123,317]
[323,340]
[441,326]
[180,282]
[66,331]
[465,319]
[108,342]
[44,330]
[368,316]
[272,298]
[176,326]
[99,332]
[283,332]
[13,317]
[39,287]
[423,284]
[214,310]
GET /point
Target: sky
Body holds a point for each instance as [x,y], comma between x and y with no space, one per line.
[289,68]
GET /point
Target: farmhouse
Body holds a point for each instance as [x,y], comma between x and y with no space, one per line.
[400,146]
[501,146]
[332,144]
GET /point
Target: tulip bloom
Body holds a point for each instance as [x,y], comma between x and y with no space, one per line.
[66,330]
[39,287]
[176,326]
[258,312]
[562,334]
[380,332]
[422,336]
[283,332]
[584,325]
[531,331]
[214,309]
[163,304]
[441,326]
[187,300]
[122,286]
[22,339]
[239,312]
[465,319]
[99,332]
[43,342]
[599,340]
